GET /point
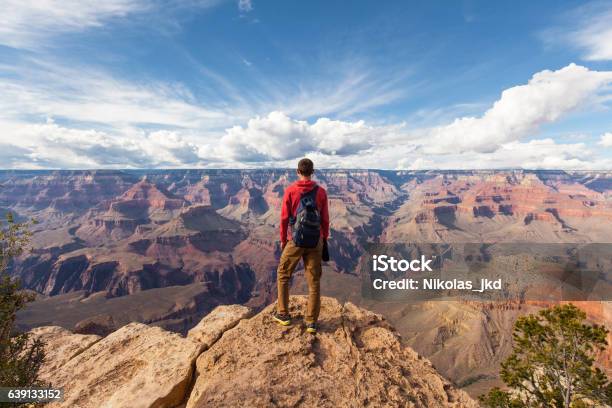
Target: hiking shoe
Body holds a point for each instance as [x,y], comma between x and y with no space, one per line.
[311,328]
[282,319]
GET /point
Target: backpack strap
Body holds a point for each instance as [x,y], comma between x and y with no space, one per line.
[312,192]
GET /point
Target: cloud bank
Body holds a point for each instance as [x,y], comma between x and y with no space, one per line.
[279,137]
[51,145]
[118,124]
[521,110]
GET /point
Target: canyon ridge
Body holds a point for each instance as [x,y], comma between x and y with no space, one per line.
[165,247]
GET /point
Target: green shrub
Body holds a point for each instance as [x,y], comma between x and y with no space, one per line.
[552,363]
[20,356]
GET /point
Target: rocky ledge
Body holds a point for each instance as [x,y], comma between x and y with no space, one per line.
[233,360]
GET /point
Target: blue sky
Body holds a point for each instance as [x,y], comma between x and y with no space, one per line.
[212,83]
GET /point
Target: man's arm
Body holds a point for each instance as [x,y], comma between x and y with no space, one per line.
[284,221]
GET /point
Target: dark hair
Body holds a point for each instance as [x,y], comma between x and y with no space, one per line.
[305,167]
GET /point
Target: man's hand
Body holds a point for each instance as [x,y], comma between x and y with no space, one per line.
[325,254]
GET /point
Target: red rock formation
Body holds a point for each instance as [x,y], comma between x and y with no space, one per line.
[123,233]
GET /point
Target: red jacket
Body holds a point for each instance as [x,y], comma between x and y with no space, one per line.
[291,200]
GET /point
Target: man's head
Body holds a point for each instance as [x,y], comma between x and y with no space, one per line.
[305,168]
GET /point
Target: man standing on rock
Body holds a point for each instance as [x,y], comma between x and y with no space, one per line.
[305,209]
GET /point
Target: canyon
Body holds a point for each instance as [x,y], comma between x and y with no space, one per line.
[165,247]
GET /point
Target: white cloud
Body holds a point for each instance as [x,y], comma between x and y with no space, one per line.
[86,95]
[535,154]
[34,24]
[101,122]
[26,23]
[521,110]
[352,92]
[279,137]
[540,154]
[586,28]
[40,88]
[275,137]
[594,34]
[275,140]
[606,140]
[245,5]
[49,145]
[95,105]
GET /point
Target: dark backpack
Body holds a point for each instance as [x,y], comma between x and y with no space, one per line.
[306,225]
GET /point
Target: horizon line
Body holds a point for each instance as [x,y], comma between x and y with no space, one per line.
[316,169]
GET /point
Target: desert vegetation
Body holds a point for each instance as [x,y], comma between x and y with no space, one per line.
[552,363]
[20,356]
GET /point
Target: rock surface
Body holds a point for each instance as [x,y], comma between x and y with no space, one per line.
[355,360]
[60,346]
[136,366]
[221,319]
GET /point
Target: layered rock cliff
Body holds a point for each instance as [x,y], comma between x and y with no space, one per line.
[231,360]
[164,247]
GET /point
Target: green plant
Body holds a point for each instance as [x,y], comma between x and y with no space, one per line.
[20,356]
[552,363]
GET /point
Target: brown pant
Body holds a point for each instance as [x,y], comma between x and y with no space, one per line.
[312,265]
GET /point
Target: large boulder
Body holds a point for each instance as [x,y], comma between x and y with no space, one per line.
[136,366]
[221,319]
[355,360]
[60,346]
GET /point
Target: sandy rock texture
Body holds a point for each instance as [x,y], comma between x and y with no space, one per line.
[355,360]
[135,366]
[221,319]
[60,346]
[231,360]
